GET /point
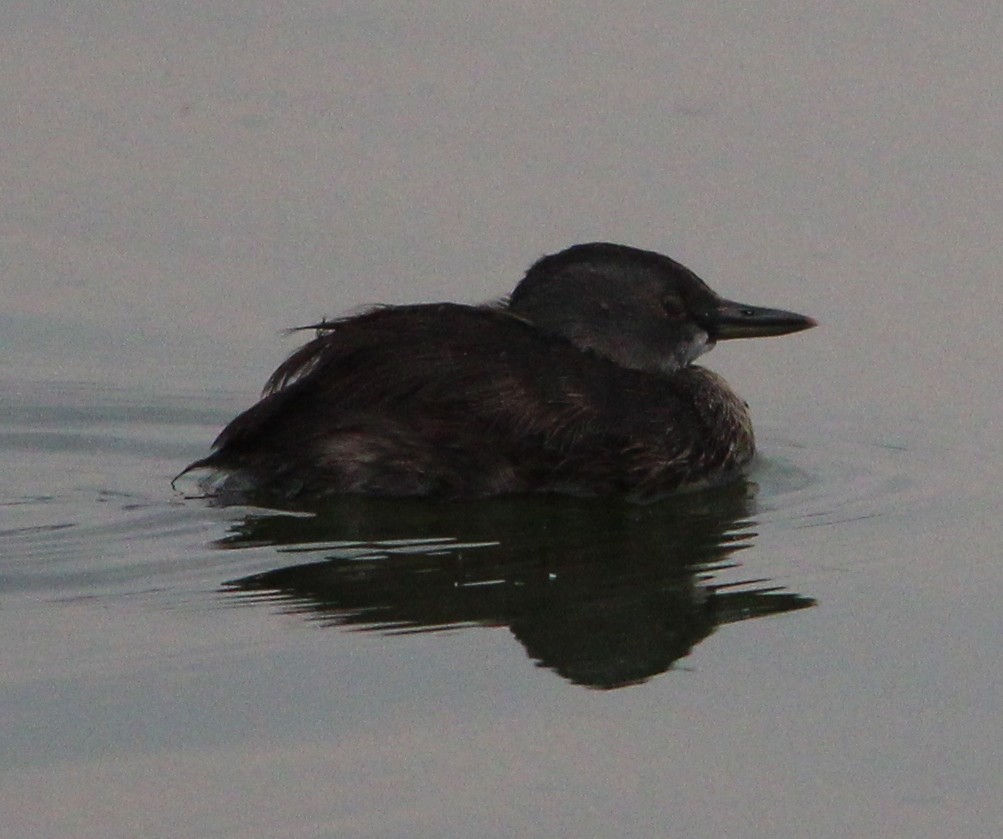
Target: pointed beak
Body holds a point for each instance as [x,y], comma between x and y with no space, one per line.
[729,319]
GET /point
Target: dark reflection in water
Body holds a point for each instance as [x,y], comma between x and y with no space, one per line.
[605,593]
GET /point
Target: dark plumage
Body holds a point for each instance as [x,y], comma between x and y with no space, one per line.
[582,383]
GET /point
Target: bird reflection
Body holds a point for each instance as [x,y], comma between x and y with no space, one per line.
[605,593]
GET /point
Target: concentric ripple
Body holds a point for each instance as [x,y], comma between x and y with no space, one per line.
[836,496]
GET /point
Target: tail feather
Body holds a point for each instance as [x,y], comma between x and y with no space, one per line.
[205,463]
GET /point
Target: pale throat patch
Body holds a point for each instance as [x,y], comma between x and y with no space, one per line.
[700,344]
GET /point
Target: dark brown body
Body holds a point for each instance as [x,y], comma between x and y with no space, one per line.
[460,401]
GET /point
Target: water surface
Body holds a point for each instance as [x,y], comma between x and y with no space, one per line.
[812,652]
[400,667]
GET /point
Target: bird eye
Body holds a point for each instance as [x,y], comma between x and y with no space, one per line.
[672,307]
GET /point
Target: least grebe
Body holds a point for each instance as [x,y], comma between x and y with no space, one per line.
[581,382]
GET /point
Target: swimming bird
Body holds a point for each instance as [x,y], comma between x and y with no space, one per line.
[581,382]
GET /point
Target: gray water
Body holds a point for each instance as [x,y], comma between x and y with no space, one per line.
[812,652]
